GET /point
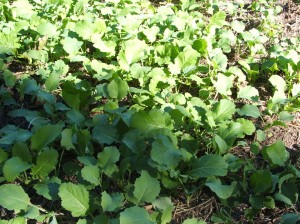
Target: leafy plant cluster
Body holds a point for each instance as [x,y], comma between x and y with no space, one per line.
[109,107]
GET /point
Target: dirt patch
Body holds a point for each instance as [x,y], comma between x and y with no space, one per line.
[290,18]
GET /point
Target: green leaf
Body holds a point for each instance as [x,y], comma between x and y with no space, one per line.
[107,159]
[75,117]
[21,150]
[3,155]
[248,93]
[238,26]
[75,198]
[48,188]
[151,121]
[260,135]
[223,84]
[45,135]
[165,206]
[259,202]
[193,221]
[105,134]
[91,174]
[71,45]
[46,28]
[223,110]
[261,181]
[117,89]
[218,19]
[208,165]
[222,191]
[146,188]
[247,126]
[200,45]
[221,144]
[111,202]
[186,58]
[9,78]
[285,116]
[135,215]
[13,197]
[219,59]
[164,153]
[13,167]
[131,52]
[249,110]
[278,82]
[276,153]
[45,163]
[290,218]
[66,139]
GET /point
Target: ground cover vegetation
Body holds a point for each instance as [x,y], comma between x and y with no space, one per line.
[132,112]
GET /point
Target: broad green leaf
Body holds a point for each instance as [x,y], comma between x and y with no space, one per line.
[193,221]
[22,9]
[296,89]
[105,134]
[88,29]
[135,215]
[146,188]
[46,28]
[238,26]
[200,45]
[261,181]
[165,206]
[45,163]
[247,126]
[31,212]
[52,81]
[117,89]
[107,160]
[164,153]
[248,93]
[151,33]
[260,135]
[249,110]
[71,45]
[3,155]
[91,174]
[150,121]
[66,139]
[48,188]
[223,84]
[276,153]
[75,116]
[106,46]
[45,135]
[219,59]
[290,218]
[223,110]
[13,167]
[188,57]
[208,165]
[231,132]
[13,197]
[285,116]
[259,202]
[111,202]
[131,52]
[21,150]
[278,82]
[9,78]
[74,198]
[222,191]
[218,19]
[221,144]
